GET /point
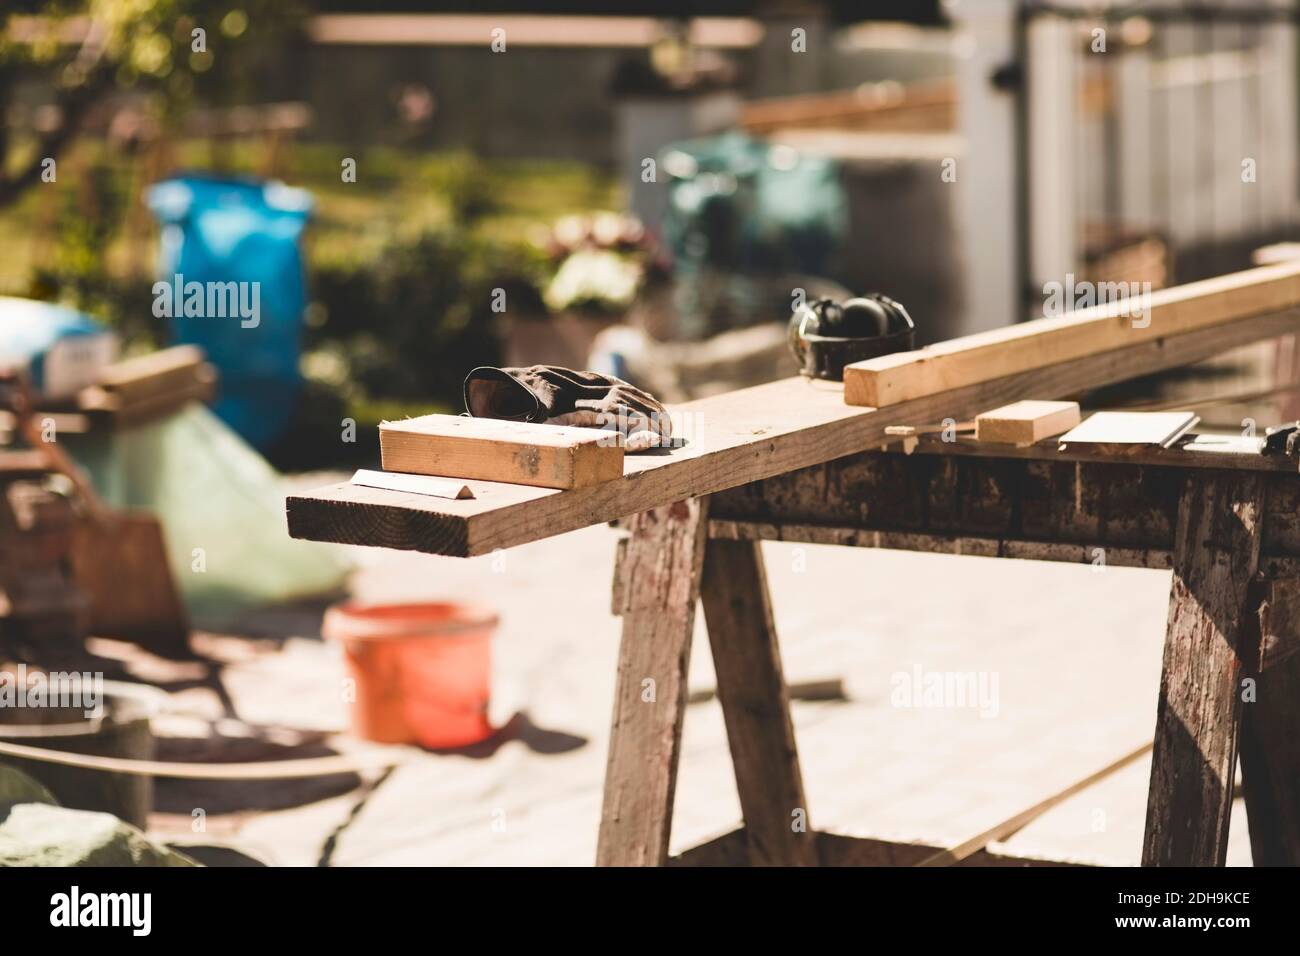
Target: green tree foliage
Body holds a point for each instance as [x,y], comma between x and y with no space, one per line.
[179,49]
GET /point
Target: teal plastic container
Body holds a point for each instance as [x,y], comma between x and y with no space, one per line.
[243,231]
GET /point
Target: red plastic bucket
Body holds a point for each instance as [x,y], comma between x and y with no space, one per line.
[422,672]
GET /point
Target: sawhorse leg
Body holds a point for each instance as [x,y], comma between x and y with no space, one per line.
[1270,743]
[1216,556]
[756,705]
[657,583]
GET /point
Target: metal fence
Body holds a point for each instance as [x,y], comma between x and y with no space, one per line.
[1158,141]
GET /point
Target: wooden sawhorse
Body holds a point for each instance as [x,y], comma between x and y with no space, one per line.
[789,460]
[1227,522]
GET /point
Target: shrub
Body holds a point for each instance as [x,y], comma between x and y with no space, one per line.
[411,323]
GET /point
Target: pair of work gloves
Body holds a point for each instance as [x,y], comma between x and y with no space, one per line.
[562,396]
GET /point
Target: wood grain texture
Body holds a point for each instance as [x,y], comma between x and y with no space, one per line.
[963,505]
[1015,505]
[122,564]
[660,572]
[1279,618]
[967,545]
[1191,451]
[1270,764]
[523,453]
[734,438]
[756,705]
[1216,554]
[906,376]
[1022,423]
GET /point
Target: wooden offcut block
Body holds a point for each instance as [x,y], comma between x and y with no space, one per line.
[521,453]
[150,386]
[153,375]
[1023,423]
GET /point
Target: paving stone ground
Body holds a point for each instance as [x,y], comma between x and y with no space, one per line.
[1069,657]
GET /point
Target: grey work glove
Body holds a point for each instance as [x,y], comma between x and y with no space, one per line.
[561,396]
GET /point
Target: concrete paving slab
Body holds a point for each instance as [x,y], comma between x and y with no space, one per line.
[975,688]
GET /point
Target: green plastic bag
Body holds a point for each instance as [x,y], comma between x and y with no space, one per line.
[222,509]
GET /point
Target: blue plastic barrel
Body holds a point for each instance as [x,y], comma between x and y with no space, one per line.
[219,231]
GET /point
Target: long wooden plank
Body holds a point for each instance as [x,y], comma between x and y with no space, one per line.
[660,585]
[1216,553]
[981,546]
[1017,505]
[985,356]
[756,705]
[733,439]
[292,769]
[1014,824]
[1227,452]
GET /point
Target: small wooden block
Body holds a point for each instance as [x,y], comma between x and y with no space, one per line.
[158,373]
[415,484]
[522,453]
[1023,423]
[1131,428]
[104,403]
[904,433]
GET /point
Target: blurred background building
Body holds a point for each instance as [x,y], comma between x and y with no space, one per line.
[956,156]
